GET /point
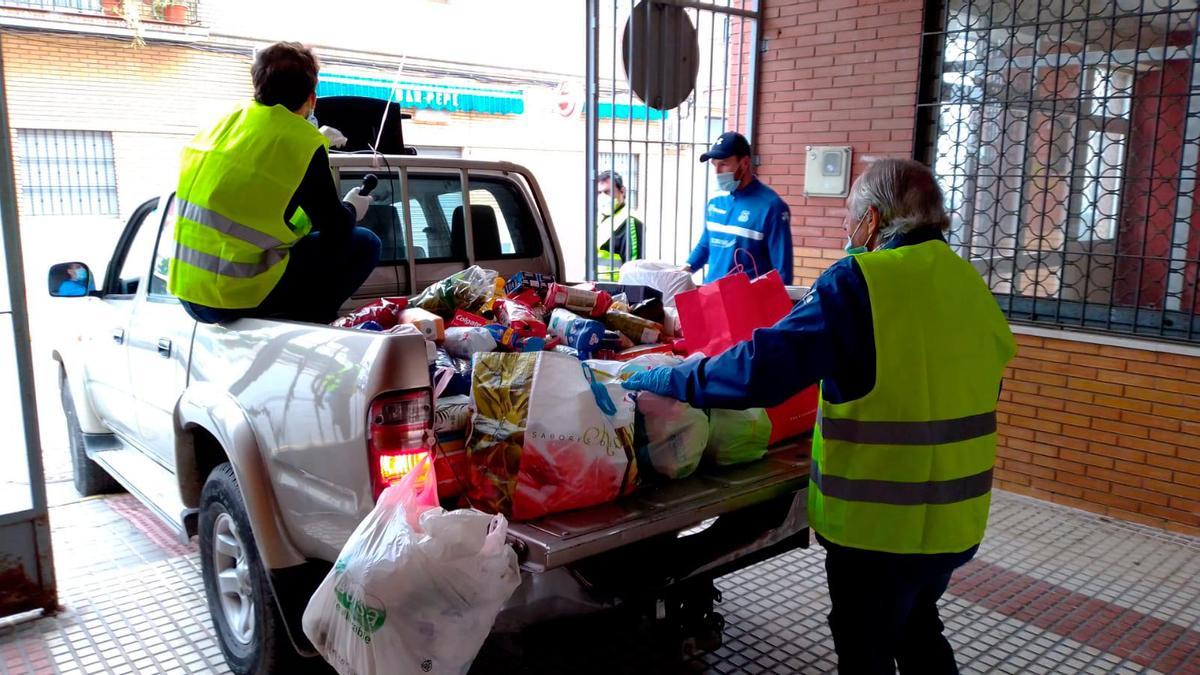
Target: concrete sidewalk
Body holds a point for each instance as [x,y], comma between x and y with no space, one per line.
[1053,590]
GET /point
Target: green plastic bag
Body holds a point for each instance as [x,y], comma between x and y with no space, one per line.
[737,436]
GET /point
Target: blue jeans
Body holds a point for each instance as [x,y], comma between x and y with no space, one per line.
[885,610]
[323,271]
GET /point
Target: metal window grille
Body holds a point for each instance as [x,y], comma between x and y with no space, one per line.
[627,166]
[77,5]
[67,173]
[1066,136]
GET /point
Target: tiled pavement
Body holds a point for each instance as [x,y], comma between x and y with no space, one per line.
[1053,590]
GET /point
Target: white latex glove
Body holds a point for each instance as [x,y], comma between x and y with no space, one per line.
[359,202]
[336,138]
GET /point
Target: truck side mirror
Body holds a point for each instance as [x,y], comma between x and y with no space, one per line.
[70,280]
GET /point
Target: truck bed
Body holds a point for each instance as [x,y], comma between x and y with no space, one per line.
[564,538]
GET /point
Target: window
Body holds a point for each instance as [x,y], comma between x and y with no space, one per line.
[163,253]
[67,173]
[502,223]
[627,166]
[1065,142]
[136,260]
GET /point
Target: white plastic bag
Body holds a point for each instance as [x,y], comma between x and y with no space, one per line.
[663,276]
[671,435]
[413,597]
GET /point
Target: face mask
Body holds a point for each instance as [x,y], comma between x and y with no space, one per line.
[850,247]
[312,119]
[727,182]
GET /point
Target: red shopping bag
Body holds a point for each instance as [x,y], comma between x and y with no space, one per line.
[718,315]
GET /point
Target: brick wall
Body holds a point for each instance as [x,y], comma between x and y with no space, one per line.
[1084,422]
[1104,428]
[836,72]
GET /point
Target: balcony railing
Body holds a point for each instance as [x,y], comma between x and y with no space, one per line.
[180,12]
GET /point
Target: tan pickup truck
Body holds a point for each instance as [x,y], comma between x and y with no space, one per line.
[253,435]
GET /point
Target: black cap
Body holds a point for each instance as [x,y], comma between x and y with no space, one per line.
[729,144]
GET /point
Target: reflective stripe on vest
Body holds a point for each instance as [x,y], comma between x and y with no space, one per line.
[907,468]
[236,181]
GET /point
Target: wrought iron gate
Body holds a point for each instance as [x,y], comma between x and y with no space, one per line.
[664,79]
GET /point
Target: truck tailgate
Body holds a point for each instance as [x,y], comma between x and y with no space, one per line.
[564,538]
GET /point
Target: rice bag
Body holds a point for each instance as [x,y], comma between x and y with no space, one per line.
[737,436]
[468,289]
[670,435]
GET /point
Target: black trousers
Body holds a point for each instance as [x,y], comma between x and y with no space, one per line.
[885,610]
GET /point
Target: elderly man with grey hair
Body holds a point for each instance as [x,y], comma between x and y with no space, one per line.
[909,347]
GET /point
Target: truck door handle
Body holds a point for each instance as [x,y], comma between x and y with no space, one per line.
[118,335]
[164,348]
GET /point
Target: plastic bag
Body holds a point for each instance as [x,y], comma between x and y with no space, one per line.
[665,277]
[409,595]
[545,438]
[737,436]
[468,289]
[459,384]
[451,414]
[670,435]
[464,343]
[385,312]
[527,321]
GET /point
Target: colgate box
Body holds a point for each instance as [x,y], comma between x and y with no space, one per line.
[465,319]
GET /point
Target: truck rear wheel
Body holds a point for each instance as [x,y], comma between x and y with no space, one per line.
[245,616]
[89,478]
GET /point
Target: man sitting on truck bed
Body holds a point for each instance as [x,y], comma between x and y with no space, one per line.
[260,231]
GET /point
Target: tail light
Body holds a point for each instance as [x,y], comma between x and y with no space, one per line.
[398,436]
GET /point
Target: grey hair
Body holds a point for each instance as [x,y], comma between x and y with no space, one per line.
[906,194]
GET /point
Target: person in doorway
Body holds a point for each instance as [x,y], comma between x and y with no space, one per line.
[621,231]
[260,231]
[748,216]
[909,346]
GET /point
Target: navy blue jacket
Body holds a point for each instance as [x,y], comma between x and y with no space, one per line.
[753,219]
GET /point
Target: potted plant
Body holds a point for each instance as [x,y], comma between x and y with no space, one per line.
[171,11]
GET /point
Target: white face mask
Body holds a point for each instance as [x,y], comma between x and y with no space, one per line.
[727,182]
[312,119]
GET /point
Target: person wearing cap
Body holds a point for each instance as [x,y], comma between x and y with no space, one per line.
[747,216]
[910,347]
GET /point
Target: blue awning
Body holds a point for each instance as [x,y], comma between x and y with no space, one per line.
[425,95]
[624,111]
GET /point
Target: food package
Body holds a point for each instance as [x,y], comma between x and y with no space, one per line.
[666,277]
[642,350]
[527,321]
[634,294]
[641,331]
[614,341]
[582,335]
[509,340]
[650,310]
[737,436]
[464,319]
[460,383]
[468,289]
[416,589]
[578,300]
[451,414]
[522,281]
[464,343]
[670,435]
[431,325]
[384,311]
[546,436]
[671,323]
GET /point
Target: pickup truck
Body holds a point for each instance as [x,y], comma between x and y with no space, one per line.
[253,435]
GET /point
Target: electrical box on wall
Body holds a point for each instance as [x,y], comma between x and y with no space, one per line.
[827,171]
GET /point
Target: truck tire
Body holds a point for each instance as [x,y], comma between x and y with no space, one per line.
[90,478]
[240,600]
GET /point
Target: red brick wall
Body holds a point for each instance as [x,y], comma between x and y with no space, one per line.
[836,72]
[1110,429]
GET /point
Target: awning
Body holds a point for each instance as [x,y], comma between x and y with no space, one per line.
[624,111]
[425,95]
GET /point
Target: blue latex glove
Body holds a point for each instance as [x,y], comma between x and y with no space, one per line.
[655,381]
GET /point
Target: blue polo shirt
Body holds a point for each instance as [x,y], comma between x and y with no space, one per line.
[753,219]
